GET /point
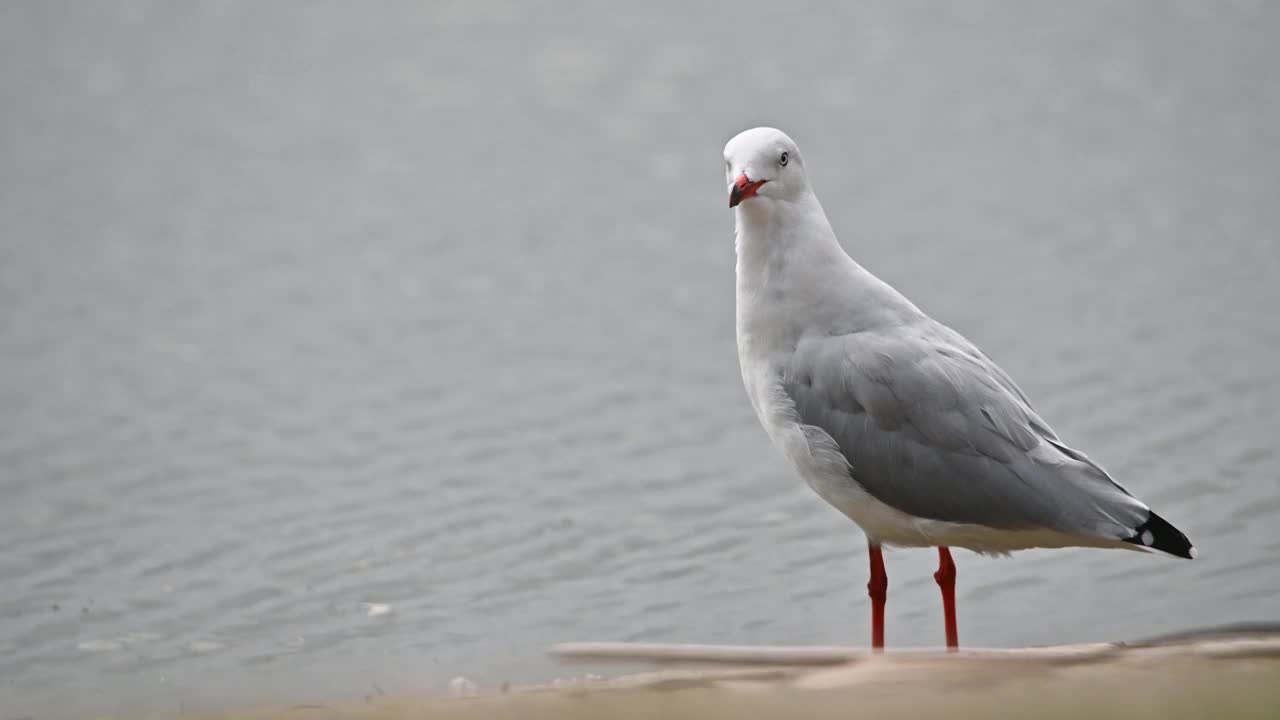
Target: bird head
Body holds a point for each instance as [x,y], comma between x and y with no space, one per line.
[763,163]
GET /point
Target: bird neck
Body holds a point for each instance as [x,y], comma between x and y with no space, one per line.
[791,266]
[775,234]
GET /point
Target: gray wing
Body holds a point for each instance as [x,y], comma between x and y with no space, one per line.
[934,428]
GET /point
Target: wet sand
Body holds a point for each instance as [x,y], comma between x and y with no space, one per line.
[1231,676]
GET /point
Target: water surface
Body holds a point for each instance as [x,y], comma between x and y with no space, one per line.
[371,345]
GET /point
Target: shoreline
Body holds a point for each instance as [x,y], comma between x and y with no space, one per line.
[1197,676]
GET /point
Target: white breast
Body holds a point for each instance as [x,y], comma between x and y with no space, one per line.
[771,298]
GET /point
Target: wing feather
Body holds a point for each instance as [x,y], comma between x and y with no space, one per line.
[932,427]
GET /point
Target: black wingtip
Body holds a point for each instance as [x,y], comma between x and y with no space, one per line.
[1156,533]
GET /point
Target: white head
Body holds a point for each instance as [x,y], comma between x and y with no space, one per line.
[763,162]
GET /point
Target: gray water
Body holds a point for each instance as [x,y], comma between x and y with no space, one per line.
[311,309]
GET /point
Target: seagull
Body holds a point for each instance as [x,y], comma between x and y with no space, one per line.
[893,418]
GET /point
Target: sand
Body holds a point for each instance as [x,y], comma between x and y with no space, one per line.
[1228,677]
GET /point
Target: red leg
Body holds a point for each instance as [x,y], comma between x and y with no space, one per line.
[877,588]
[946,577]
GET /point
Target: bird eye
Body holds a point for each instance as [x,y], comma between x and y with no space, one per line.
[782,160]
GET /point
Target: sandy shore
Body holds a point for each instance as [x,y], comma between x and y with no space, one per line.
[1235,676]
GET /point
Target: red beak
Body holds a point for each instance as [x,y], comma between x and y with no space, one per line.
[743,189]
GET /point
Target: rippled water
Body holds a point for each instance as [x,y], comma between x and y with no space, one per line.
[361,346]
